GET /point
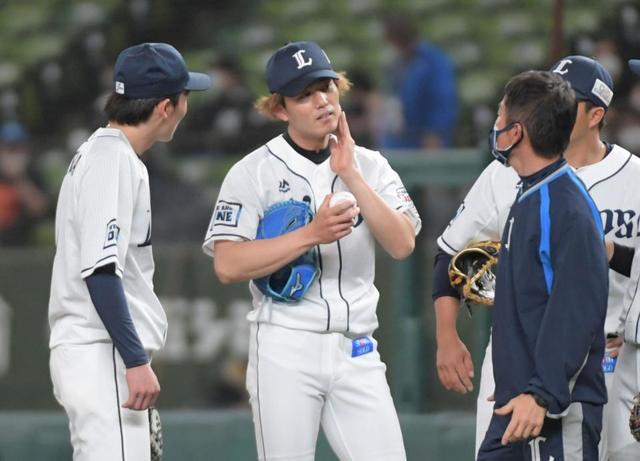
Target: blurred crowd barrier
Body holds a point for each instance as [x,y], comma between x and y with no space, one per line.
[228,435]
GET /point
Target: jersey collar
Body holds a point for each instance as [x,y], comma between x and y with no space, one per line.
[108,131]
[616,159]
[292,159]
[316,157]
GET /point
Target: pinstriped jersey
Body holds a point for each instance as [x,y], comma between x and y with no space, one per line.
[551,294]
[103,217]
[343,298]
[613,184]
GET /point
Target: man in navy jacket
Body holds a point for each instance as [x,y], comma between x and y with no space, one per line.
[551,292]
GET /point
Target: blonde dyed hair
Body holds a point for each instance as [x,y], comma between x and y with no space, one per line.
[267,105]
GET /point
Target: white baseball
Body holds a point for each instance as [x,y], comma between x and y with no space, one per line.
[342,196]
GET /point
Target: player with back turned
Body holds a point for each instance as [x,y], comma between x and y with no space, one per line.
[608,171]
[549,311]
[105,318]
[313,360]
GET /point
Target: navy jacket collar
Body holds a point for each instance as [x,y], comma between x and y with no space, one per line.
[527,182]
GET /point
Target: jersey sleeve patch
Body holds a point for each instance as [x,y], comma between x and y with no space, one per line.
[407,207]
[226,214]
[405,198]
[112,234]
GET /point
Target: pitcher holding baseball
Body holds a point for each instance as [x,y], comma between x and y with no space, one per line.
[313,360]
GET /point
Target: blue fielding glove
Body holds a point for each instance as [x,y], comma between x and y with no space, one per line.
[290,283]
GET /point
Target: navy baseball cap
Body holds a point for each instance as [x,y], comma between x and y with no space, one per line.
[588,78]
[296,65]
[634,64]
[154,70]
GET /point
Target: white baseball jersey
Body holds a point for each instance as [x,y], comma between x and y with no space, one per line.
[613,184]
[104,217]
[343,299]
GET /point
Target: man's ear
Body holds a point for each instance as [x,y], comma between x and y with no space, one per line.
[595,116]
[520,131]
[164,108]
[280,113]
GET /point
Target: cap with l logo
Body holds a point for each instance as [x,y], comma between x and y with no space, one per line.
[588,78]
[296,65]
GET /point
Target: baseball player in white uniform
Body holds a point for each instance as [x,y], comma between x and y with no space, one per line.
[314,362]
[626,380]
[610,174]
[105,318]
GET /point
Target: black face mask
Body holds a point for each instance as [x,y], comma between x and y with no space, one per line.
[501,155]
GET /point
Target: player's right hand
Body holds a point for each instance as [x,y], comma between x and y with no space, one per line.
[454,364]
[332,223]
[527,418]
[144,387]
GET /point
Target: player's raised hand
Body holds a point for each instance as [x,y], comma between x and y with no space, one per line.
[342,148]
[526,421]
[454,364]
[332,223]
[144,387]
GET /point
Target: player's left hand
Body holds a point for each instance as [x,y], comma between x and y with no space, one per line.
[526,420]
[342,148]
[613,345]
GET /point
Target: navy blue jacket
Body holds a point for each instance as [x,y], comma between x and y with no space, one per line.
[551,294]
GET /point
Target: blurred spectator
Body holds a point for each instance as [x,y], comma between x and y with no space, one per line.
[423,83]
[605,51]
[173,220]
[227,123]
[625,127]
[24,199]
[362,105]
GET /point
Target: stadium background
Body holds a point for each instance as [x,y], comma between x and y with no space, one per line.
[55,63]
